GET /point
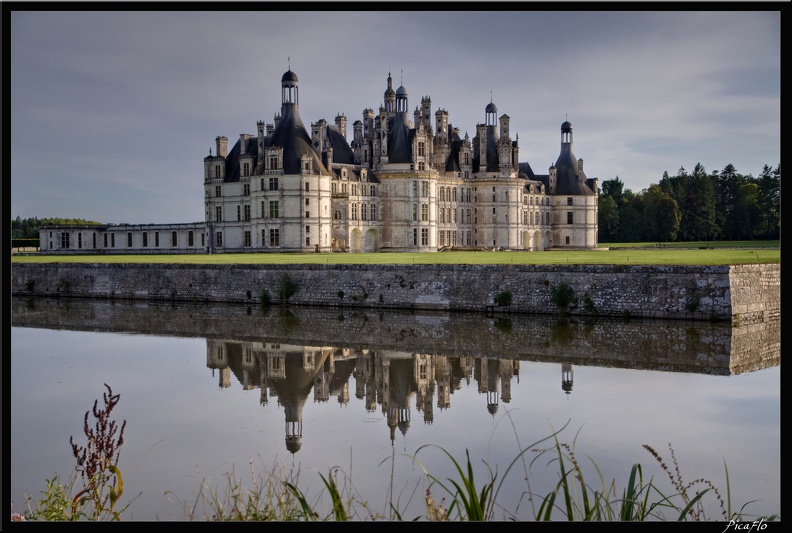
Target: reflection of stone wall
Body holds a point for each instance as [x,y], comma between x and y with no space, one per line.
[671,345]
[743,294]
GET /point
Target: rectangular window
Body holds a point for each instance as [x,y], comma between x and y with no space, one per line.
[363,211]
[129,240]
[247,213]
[156,239]
[203,241]
[239,213]
[273,165]
[307,186]
[247,238]
[424,188]
[354,212]
[307,214]
[217,172]
[373,211]
[79,240]
[415,211]
[273,184]
[415,188]
[424,212]
[218,191]
[263,237]
[415,237]
[112,240]
[373,191]
[425,236]
[219,213]
[64,240]
[274,237]
[190,239]
[219,239]
[307,201]
[246,172]
[569,201]
[273,209]
[246,186]
[105,240]
[145,239]
[174,239]
[354,190]
[262,213]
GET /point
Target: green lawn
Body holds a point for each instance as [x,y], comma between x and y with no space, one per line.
[706,253]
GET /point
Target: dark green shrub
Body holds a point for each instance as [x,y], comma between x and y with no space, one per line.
[562,296]
[503,299]
[265,298]
[287,288]
[692,303]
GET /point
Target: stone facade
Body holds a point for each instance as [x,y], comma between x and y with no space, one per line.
[742,294]
[402,184]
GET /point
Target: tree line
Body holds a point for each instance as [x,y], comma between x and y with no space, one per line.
[28,228]
[693,206]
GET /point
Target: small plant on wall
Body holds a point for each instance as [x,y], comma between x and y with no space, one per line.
[503,299]
[562,296]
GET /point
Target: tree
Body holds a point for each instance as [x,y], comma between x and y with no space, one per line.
[607,218]
[661,215]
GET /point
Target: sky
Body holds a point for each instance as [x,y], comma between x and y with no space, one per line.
[113,112]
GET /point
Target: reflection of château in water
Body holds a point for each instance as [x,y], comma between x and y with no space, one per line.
[389,379]
[405,362]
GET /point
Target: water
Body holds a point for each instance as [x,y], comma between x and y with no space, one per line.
[204,392]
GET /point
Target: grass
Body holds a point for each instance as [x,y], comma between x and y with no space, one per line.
[277,496]
[690,253]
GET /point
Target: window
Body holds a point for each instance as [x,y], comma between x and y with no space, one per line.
[567,240]
[337,214]
[246,186]
[415,237]
[569,201]
[64,240]
[354,189]
[421,165]
[415,211]
[263,205]
[261,184]
[129,240]
[307,235]
[219,239]
[536,218]
[219,213]
[363,211]
[174,239]
[273,165]
[307,186]
[105,240]
[425,236]
[373,211]
[247,238]
[247,213]
[239,213]
[415,188]
[307,214]
[273,209]
[246,172]
[217,172]
[190,239]
[343,188]
[424,188]
[145,239]
[273,184]
[424,212]
[421,149]
[334,187]
[373,191]
[203,243]
[525,217]
[307,201]
[569,217]
[112,240]
[263,237]
[79,240]
[354,212]
[156,239]
[274,237]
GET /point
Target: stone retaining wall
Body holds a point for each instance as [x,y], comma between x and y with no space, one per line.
[742,294]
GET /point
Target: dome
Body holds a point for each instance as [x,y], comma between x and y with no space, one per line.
[289,76]
[491,108]
[566,126]
[401,91]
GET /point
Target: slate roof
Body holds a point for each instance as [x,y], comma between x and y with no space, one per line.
[291,135]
